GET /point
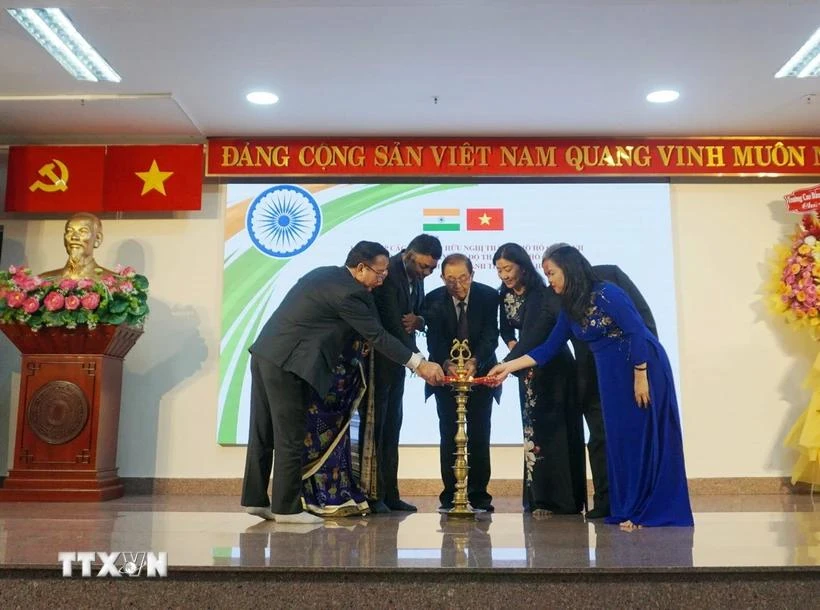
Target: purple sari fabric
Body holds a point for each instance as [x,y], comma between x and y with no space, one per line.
[329,487]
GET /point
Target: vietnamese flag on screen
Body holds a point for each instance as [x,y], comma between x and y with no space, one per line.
[59,179]
[153,178]
[485,219]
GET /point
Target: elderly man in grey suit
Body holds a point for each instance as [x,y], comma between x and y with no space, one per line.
[589,398]
[293,355]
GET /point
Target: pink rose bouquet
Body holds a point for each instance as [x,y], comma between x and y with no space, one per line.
[120,298]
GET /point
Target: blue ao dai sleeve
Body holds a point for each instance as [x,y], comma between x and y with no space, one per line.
[616,304]
[559,336]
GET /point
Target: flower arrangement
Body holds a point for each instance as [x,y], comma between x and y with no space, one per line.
[118,298]
[793,292]
[794,287]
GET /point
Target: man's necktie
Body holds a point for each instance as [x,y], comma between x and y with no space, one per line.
[462,331]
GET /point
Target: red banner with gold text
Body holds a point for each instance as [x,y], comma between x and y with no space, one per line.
[497,157]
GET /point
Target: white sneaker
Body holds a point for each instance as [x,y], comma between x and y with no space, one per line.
[260,511]
[303,517]
[297,528]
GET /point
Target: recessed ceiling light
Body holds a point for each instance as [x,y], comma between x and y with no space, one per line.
[264,98]
[662,96]
[806,62]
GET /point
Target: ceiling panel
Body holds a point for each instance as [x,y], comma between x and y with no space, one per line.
[359,67]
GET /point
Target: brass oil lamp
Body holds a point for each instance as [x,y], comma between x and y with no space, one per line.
[462,383]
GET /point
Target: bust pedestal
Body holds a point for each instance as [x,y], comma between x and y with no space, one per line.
[68,413]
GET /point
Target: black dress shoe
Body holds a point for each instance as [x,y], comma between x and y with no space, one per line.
[378,507]
[401,506]
[489,508]
[445,507]
[597,513]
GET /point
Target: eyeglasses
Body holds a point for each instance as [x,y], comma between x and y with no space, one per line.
[463,280]
[381,274]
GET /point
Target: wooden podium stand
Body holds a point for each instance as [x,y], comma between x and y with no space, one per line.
[68,413]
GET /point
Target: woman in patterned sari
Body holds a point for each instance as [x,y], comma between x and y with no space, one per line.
[329,488]
[554,469]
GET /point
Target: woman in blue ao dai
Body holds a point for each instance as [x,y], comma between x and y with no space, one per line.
[644,444]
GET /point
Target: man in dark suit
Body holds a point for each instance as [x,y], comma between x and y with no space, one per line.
[587,376]
[294,355]
[463,309]
[399,301]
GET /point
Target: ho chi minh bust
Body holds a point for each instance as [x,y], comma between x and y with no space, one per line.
[83,233]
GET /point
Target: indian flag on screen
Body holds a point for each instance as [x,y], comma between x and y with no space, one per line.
[441,219]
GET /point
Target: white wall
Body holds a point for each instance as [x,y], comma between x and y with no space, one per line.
[741,371]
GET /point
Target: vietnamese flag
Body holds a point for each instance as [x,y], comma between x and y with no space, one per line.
[153,178]
[485,219]
[51,179]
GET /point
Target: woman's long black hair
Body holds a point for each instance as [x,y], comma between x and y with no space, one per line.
[516,254]
[578,280]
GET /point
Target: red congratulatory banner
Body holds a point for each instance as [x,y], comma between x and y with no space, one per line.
[495,157]
[803,200]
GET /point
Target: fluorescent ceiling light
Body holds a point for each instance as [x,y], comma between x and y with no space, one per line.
[57,35]
[264,98]
[806,62]
[663,96]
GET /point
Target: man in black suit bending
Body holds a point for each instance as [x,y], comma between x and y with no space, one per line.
[399,301]
[463,309]
[294,353]
[590,399]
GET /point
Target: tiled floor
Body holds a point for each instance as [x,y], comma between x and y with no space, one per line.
[207,532]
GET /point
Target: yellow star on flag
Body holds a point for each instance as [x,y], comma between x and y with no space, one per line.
[485,220]
[153,179]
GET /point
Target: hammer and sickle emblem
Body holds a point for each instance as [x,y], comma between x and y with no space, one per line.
[57,183]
